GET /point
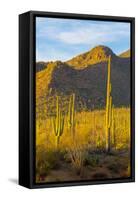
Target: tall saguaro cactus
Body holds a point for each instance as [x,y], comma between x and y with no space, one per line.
[113,129]
[108,120]
[71,114]
[58,123]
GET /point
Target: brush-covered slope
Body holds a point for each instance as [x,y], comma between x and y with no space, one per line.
[88,81]
[125,54]
[40,66]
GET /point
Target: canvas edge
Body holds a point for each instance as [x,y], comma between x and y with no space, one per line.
[24,158]
[31,61]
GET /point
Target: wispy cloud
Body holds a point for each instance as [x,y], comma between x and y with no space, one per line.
[94,34]
[52,55]
[67,36]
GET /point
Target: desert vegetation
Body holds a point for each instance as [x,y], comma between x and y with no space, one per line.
[79,142]
[85,149]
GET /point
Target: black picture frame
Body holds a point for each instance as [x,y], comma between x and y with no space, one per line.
[27,97]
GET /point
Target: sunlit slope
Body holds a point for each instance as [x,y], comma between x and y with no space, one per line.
[125,54]
[95,55]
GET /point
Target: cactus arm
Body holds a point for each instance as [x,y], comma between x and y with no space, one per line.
[73,106]
[54,125]
[58,123]
[113,127]
[71,113]
[110,112]
[57,116]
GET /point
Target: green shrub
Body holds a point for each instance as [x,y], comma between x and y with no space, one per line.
[92,160]
[42,168]
[46,161]
[77,156]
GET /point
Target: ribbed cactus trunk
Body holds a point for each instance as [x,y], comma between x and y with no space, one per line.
[58,123]
[113,129]
[108,119]
[71,114]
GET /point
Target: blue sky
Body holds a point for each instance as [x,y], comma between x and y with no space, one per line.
[62,39]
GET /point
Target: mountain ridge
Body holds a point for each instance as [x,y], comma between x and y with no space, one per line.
[87,82]
[125,54]
[95,55]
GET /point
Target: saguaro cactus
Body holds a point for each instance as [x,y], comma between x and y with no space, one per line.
[58,123]
[71,114]
[108,119]
[113,129]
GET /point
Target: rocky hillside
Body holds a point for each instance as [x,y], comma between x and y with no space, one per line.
[40,66]
[86,76]
[125,54]
[95,55]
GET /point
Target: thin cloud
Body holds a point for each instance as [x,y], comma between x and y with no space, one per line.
[52,55]
[59,39]
[93,34]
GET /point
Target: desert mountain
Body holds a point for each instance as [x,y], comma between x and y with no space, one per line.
[86,76]
[125,54]
[95,55]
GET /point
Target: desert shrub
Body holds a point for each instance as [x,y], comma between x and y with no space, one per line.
[92,160]
[67,158]
[61,154]
[117,165]
[77,157]
[53,157]
[42,168]
[113,167]
[46,160]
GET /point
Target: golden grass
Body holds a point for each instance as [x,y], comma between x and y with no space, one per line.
[89,131]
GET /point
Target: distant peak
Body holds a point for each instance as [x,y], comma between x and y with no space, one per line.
[95,55]
[101,51]
[125,54]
